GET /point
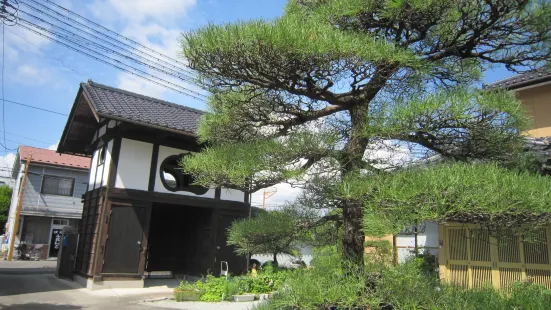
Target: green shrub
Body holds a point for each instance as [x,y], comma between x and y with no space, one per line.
[186,292]
[214,289]
[405,287]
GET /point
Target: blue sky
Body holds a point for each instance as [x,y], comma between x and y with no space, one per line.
[41,73]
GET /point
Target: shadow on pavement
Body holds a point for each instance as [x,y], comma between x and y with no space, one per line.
[26,271]
[14,284]
[38,306]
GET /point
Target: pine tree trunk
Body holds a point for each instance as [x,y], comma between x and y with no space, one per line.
[353,210]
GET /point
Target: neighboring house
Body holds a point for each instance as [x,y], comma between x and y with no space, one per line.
[51,196]
[533,89]
[6,180]
[469,255]
[142,216]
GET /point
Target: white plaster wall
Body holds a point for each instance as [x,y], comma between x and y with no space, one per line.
[102,130]
[286,260]
[426,241]
[134,165]
[164,152]
[232,194]
[99,171]
[107,163]
[93,166]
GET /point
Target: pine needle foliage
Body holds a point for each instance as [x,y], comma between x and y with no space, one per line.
[480,193]
[304,96]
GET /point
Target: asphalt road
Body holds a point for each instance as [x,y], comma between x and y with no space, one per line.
[32,285]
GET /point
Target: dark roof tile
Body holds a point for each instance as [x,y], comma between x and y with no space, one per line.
[112,102]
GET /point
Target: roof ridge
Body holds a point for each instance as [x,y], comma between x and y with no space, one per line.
[541,70]
[126,92]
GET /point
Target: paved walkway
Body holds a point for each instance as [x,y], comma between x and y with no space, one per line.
[29,285]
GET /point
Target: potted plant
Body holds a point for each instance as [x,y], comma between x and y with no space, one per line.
[186,292]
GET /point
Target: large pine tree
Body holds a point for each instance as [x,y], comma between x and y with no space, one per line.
[301,98]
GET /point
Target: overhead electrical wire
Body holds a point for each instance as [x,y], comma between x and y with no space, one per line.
[113,32]
[127,66]
[51,21]
[42,50]
[149,50]
[34,107]
[3,105]
[111,64]
[184,75]
[18,135]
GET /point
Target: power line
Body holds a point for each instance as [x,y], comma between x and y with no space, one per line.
[100,43]
[3,104]
[144,60]
[18,135]
[49,55]
[113,32]
[119,64]
[33,107]
[103,33]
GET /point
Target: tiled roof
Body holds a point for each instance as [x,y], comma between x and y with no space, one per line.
[521,80]
[116,103]
[50,157]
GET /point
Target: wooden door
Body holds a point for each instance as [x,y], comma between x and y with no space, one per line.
[123,249]
[475,258]
[225,252]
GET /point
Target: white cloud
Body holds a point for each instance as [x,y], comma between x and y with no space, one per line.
[387,154]
[138,85]
[155,36]
[30,74]
[151,23]
[19,40]
[283,193]
[53,147]
[6,163]
[140,10]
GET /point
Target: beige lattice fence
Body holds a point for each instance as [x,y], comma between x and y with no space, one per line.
[471,256]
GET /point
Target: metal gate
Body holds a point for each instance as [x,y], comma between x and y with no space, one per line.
[472,257]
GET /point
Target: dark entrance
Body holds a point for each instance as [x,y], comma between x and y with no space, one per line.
[124,239]
[179,239]
[224,252]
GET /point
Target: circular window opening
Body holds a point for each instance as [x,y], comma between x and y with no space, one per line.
[175,180]
[102,155]
[171,182]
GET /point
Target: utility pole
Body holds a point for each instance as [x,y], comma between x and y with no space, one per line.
[18,210]
[267,195]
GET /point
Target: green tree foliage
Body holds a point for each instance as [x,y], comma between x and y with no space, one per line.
[301,98]
[269,232]
[5,200]
[483,193]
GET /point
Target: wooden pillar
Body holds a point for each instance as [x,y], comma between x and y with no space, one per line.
[443,253]
[18,210]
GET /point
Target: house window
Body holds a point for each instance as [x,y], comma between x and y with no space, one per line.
[174,180]
[101,156]
[61,222]
[57,186]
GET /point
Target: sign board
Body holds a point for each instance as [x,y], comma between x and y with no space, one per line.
[55,242]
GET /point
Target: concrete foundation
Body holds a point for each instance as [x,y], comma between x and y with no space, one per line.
[109,284]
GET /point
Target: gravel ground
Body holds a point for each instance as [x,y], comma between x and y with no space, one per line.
[192,305]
